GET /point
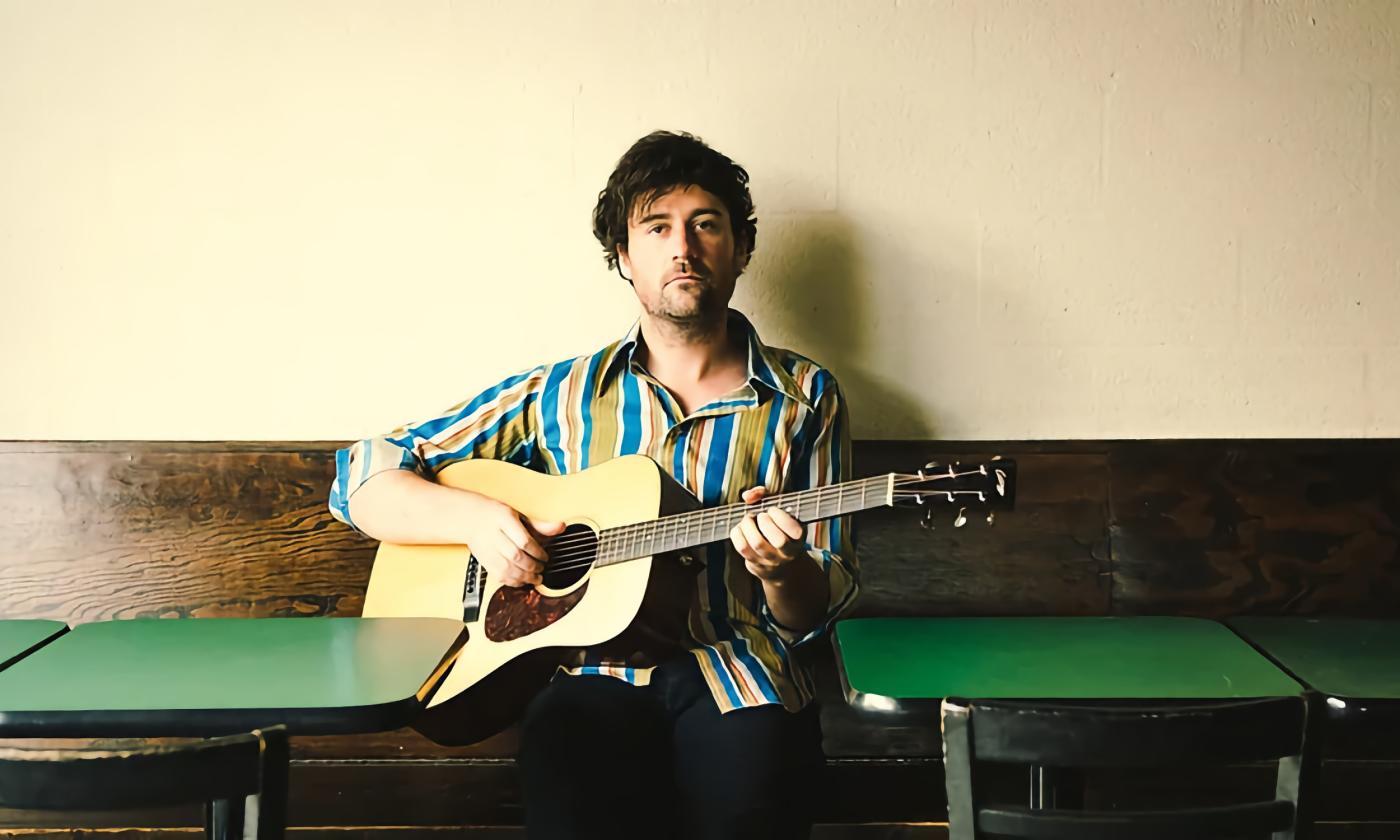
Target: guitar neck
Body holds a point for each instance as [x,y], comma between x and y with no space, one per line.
[686,530]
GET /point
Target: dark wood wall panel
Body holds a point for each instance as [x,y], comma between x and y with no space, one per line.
[123,530]
[1047,557]
[1216,528]
[100,530]
[90,532]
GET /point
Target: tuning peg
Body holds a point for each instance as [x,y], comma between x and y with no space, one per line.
[991,517]
[926,521]
[962,518]
[931,465]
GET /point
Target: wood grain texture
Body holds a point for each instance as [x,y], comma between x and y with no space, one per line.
[91,532]
[1047,557]
[1218,528]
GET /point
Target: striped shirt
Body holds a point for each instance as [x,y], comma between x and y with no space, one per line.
[785,428]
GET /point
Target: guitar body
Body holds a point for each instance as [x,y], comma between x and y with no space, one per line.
[518,636]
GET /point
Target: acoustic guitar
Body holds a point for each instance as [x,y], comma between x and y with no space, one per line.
[619,579]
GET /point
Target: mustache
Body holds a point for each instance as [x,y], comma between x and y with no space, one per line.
[691,270]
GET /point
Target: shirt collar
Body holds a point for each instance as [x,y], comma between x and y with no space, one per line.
[764,366]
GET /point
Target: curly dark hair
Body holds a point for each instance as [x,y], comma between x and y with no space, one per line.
[657,164]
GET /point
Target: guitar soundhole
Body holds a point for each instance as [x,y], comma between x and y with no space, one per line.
[571,555]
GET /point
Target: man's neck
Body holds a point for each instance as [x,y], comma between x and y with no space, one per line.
[688,356]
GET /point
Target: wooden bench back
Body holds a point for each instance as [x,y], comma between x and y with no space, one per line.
[91,531]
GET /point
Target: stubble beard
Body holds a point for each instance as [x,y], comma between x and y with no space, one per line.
[690,314]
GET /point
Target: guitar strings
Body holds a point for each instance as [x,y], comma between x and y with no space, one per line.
[676,525]
[582,559]
[664,529]
[664,526]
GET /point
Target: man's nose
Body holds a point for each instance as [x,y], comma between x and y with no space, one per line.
[684,243]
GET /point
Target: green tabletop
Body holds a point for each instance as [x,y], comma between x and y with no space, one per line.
[1342,657]
[888,662]
[207,676]
[19,637]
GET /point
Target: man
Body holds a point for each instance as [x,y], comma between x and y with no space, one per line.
[720,741]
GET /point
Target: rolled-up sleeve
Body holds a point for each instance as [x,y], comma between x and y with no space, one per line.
[498,423]
[824,458]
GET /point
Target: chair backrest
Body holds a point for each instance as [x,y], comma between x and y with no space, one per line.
[223,773]
[1088,736]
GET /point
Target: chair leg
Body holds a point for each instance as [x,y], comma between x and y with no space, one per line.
[957,772]
[223,819]
[272,801]
[1298,775]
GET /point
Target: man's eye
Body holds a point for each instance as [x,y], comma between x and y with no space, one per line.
[706,225]
[656,228]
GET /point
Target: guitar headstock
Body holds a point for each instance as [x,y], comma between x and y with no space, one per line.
[989,485]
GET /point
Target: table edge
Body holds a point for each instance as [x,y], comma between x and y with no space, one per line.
[62,629]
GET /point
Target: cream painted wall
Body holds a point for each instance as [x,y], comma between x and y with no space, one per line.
[315,220]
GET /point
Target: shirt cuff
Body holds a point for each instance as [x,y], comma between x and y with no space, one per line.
[842,586]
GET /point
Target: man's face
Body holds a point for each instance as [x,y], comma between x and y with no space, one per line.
[682,256]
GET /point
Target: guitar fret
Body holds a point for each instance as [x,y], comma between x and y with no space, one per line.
[707,525]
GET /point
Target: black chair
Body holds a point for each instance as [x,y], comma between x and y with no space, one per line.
[220,772]
[1095,737]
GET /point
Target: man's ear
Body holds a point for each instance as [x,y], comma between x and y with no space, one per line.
[624,263]
[741,255]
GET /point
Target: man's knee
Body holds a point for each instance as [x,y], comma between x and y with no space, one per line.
[752,767]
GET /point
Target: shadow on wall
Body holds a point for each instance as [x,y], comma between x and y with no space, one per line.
[816,296]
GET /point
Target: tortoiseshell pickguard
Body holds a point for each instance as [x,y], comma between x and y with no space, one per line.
[516,611]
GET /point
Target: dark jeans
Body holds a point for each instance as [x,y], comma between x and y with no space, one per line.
[602,758]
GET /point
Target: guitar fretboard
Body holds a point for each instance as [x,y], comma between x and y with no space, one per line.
[684,530]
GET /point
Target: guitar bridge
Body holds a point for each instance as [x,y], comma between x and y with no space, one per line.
[471,591]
